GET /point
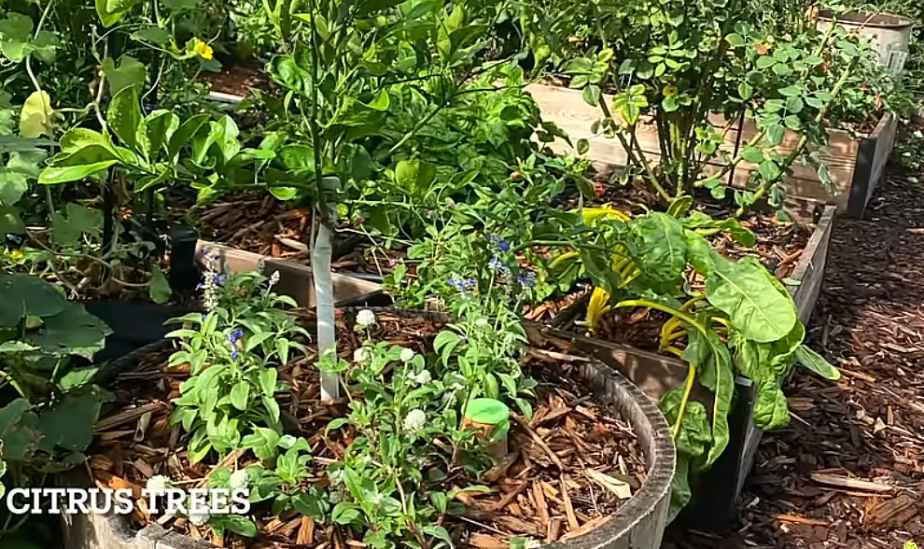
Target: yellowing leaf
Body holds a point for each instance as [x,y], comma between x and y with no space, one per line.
[596,308]
[35,119]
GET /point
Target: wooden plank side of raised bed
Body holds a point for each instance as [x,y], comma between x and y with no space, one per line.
[810,272]
[295,280]
[567,109]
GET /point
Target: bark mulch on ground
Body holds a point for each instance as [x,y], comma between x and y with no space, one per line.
[849,469]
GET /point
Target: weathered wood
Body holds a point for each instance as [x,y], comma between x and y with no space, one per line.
[295,280]
[855,163]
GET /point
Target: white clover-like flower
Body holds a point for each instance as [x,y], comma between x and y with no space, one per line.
[482,323]
[274,279]
[158,484]
[365,318]
[361,355]
[199,518]
[415,420]
[239,479]
[422,378]
[407,355]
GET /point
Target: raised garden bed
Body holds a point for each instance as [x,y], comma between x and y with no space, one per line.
[713,506]
[855,163]
[577,398]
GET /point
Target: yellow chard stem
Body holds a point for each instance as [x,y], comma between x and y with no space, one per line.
[687,389]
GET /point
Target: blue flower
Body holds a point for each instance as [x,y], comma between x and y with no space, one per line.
[527,279]
[456,283]
[462,285]
[235,335]
[497,265]
[234,354]
[501,244]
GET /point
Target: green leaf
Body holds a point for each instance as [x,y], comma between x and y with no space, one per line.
[267,379]
[345,513]
[745,292]
[745,91]
[129,72]
[10,222]
[18,430]
[185,133]
[658,246]
[487,411]
[73,331]
[69,423]
[415,176]
[770,409]
[28,295]
[712,356]
[680,488]
[12,186]
[238,524]
[72,222]
[591,94]
[240,395]
[158,288]
[66,174]
[752,154]
[111,12]
[153,35]
[35,118]
[124,117]
[765,61]
[769,170]
[810,360]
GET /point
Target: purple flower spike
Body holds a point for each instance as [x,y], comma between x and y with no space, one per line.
[527,279]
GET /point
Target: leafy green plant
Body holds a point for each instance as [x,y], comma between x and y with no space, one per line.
[388,482]
[233,352]
[47,424]
[726,318]
[672,68]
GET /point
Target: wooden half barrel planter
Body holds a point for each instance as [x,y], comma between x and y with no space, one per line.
[714,499]
[638,524]
[855,163]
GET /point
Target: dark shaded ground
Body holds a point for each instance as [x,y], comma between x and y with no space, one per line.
[849,469]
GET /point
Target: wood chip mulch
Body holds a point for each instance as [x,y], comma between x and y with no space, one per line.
[849,469]
[263,225]
[568,469]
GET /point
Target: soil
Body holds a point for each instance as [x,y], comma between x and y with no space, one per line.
[541,489]
[237,79]
[849,469]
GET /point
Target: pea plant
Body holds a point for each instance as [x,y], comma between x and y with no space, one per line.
[726,318]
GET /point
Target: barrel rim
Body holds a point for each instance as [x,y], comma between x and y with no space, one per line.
[883,20]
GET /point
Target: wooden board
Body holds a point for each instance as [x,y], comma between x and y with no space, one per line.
[295,279]
[842,156]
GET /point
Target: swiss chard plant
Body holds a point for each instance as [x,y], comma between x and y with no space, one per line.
[725,318]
